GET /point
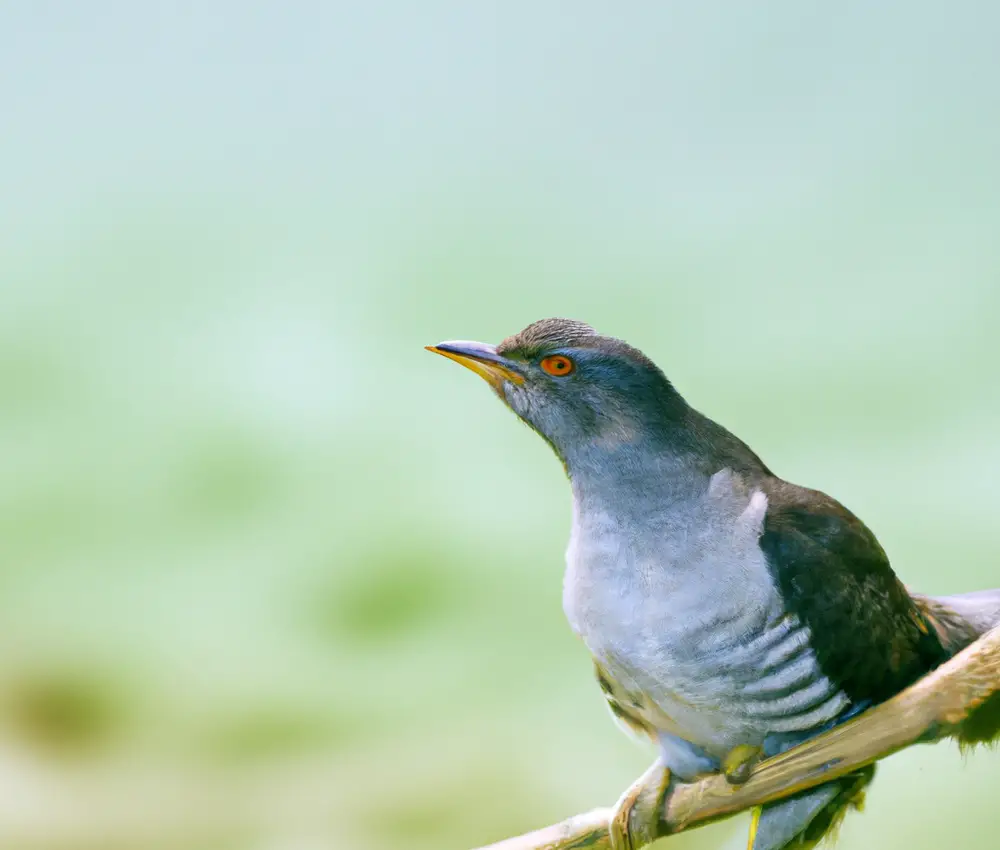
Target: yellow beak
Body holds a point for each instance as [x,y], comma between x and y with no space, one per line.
[481,359]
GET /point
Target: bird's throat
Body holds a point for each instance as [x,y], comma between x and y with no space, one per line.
[630,479]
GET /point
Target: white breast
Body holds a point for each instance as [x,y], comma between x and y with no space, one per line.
[680,608]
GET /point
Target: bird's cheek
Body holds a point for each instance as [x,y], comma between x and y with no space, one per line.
[533,408]
[515,398]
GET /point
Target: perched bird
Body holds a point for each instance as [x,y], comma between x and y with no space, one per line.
[730,614]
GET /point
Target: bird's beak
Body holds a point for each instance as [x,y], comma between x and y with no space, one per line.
[481,359]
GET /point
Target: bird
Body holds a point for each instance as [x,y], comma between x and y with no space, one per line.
[730,614]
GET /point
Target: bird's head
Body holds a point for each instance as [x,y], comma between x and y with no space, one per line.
[574,386]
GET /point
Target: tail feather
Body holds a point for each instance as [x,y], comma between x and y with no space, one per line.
[958,621]
[806,819]
[777,825]
[981,608]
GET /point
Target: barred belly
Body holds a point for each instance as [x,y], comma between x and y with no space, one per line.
[684,620]
[702,706]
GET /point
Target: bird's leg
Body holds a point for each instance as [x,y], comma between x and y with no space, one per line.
[739,762]
[636,817]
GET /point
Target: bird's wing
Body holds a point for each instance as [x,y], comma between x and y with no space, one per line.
[868,635]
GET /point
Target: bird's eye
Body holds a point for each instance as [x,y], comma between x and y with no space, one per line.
[557,365]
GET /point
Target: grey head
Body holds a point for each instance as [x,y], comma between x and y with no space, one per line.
[576,388]
[596,399]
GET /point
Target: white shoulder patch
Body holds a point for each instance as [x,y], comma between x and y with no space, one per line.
[752,518]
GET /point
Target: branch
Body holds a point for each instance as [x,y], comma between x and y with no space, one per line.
[929,710]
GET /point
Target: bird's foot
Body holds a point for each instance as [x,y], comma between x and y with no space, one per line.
[740,762]
[636,817]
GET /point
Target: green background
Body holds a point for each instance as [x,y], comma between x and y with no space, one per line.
[272,576]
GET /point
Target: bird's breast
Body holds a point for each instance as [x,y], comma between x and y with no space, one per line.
[681,612]
[674,585]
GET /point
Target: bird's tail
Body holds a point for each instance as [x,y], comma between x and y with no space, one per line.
[958,621]
[804,820]
[961,618]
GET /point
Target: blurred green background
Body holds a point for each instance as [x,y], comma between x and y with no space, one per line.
[272,576]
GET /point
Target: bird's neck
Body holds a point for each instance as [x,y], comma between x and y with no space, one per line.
[630,480]
[635,474]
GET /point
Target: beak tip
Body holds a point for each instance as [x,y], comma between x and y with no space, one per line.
[481,359]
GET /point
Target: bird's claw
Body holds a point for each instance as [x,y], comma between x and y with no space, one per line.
[740,762]
[636,817]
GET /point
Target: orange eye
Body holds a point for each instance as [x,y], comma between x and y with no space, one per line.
[557,365]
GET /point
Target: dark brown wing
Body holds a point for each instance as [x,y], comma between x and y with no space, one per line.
[868,634]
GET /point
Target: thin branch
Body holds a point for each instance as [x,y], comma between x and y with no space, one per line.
[929,710]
